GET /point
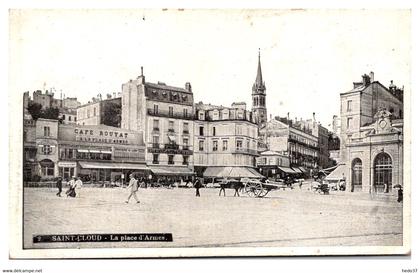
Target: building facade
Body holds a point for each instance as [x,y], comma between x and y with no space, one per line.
[95,153]
[259,108]
[166,116]
[96,111]
[224,137]
[371,137]
[282,135]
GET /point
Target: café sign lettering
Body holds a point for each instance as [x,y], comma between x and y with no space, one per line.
[106,136]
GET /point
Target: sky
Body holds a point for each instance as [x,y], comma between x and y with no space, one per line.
[308,57]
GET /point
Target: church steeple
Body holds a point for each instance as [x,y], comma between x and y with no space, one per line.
[259,85]
[258,95]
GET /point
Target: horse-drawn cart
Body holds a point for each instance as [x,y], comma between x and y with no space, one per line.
[256,188]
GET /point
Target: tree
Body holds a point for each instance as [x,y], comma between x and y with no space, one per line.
[35,109]
[112,114]
[50,113]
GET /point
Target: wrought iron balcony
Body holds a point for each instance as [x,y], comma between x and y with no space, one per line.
[167,114]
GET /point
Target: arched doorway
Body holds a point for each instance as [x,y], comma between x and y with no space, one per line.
[47,167]
[356,174]
[382,173]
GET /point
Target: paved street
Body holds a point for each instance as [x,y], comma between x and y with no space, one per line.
[295,217]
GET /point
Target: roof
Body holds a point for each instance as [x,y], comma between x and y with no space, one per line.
[166,87]
[337,174]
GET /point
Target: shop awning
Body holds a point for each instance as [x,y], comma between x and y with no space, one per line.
[106,152]
[82,151]
[297,170]
[172,170]
[109,165]
[303,169]
[94,151]
[337,174]
[286,170]
[231,172]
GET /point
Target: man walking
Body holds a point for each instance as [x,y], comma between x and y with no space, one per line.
[197,186]
[78,186]
[59,186]
[133,186]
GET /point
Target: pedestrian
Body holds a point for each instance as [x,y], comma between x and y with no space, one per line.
[133,186]
[300,183]
[223,185]
[400,194]
[78,185]
[237,187]
[59,186]
[197,186]
[70,192]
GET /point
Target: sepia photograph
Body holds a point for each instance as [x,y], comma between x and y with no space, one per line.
[141,133]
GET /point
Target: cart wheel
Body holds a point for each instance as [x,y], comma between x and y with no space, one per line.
[263,192]
[253,189]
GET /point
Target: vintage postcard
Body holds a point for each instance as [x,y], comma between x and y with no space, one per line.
[207,133]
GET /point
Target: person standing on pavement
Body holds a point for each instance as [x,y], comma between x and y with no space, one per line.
[71,185]
[197,186]
[78,186]
[59,186]
[133,186]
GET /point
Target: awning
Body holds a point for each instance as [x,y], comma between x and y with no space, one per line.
[303,169]
[297,170]
[106,152]
[171,170]
[94,151]
[231,172]
[337,174]
[109,165]
[82,151]
[286,170]
[171,138]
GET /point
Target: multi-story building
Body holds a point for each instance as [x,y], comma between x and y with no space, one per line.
[276,165]
[259,97]
[371,137]
[166,116]
[95,153]
[225,141]
[284,135]
[68,116]
[96,112]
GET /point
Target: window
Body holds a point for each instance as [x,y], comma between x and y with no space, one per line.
[382,172]
[155,109]
[201,130]
[171,126]
[214,131]
[69,118]
[170,159]
[238,144]
[239,130]
[185,128]
[46,131]
[46,149]
[225,145]
[64,117]
[185,160]
[201,145]
[94,111]
[88,113]
[155,125]
[75,119]
[185,143]
[349,121]
[155,140]
[215,115]
[185,113]
[155,159]
[171,111]
[201,116]
[215,142]
[349,104]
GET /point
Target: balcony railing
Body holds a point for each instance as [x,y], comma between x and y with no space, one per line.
[168,114]
[239,150]
[169,148]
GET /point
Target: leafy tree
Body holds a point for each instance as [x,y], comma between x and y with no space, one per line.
[50,113]
[35,109]
[112,114]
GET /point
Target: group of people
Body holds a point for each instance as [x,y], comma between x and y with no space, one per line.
[75,187]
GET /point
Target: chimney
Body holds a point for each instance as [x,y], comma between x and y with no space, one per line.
[188,86]
[287,115]
[372,76]
[366,80]
[313,116]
